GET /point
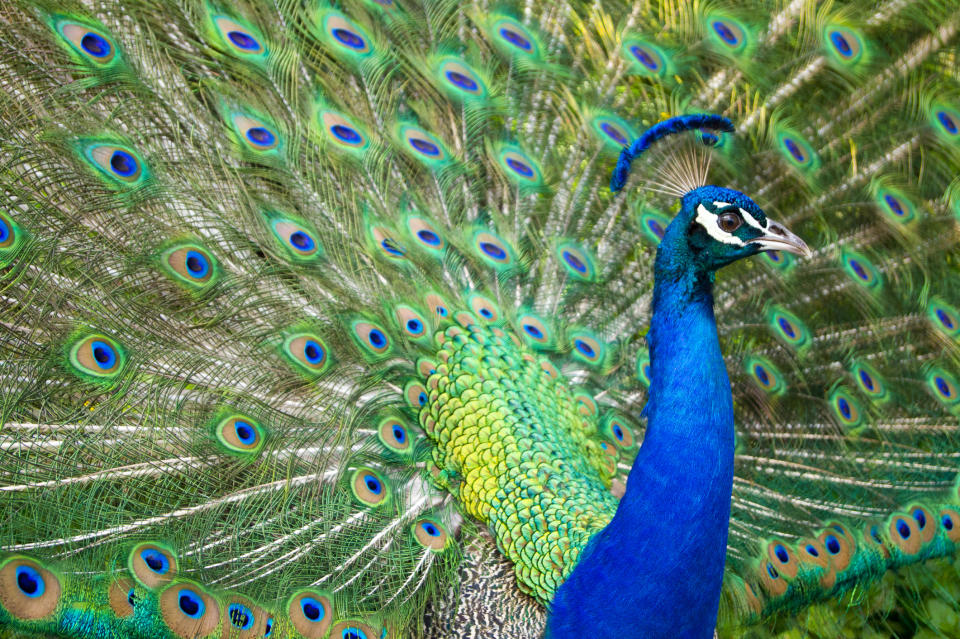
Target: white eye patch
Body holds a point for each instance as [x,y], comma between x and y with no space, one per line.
[747,217]
[708,221]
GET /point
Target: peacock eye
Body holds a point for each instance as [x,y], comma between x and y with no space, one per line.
[729,222]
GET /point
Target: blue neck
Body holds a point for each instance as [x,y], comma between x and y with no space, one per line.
[657,568]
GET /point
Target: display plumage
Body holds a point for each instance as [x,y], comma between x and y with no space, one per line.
[308,307]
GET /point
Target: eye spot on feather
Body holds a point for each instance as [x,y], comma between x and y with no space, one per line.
[152,564]
[493,250]
[535,331]
[9,235]
[311,613]
[577,262]
[296,239]
[93,44]
[371,337]
[425,234]
[240,434]
[241,39]
[240,616]
[369,487]
[846,408]
[258,135]
[484,307]
[515,39]
[190,264]
[950,523]
[307,351]
[647,58]
[782,558]
[411,323]
[905,533]
[729,34]
[416,395]
[97,356]
[28,591]
[394,435]
[461,81]
[346,39]
[430,534]
[122,597]
[121,164]
[353,630]
[946,121]
[618,430]
[586,348]
[518,166]
[188,610]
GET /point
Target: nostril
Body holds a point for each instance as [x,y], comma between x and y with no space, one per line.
[776,229]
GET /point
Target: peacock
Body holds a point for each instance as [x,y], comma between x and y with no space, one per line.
[369,319]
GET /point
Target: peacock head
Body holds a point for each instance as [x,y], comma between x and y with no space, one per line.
[720,226]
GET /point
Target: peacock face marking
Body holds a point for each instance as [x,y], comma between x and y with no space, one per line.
[726,225]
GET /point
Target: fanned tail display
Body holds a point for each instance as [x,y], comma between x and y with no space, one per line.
[312,314]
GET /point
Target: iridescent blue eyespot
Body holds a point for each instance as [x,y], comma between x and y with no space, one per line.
[725,33]
[268,628]
[812,550]
[96,45]
[533,331]
[921,518]
[260,136]
[123,164]
[197,264]
[947,522]
[832,544]
[414,326]
[346,134]
[155,561]
[399,434]
[373,484]
[104,354]
[377,339]
[947,121]
[614,133]
[429,237]
[191,604]
[942,315]
[349,38]
[132,597]
[312,609]
[243,40]
[574,262]
[844,407]
[761,374]
[493,250]
[841,44]
[787,327]
[462,81]
[29,581]
[894,204]
[353,633]
[424,146]
[644,58]
[794,150]
[245,432]
[430,529]
[313,351]
[5,231]
[390,247]
[422,398]
[772,571]
[515,39]
[903,529]
[584,348]
[240,616]
[781,554]
[519,167]
[301,241]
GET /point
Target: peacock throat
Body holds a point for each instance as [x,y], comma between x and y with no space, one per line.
[519,449]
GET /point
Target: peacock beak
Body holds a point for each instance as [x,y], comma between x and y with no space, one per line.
[778,238]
